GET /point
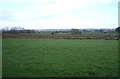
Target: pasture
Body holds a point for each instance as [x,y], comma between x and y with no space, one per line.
[59,58]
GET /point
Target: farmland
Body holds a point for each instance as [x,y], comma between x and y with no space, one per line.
[59,57]
[85,35]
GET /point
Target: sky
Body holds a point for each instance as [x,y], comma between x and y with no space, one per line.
[59,14]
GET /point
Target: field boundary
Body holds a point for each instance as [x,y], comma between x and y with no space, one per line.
[100,36]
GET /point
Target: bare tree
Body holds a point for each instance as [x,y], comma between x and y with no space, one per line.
[75,31]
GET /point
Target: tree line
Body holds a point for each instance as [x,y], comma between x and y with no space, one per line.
[19,30]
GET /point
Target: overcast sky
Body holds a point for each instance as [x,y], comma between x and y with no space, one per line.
[59,14]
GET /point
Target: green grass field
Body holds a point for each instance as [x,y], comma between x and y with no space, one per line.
[59,58]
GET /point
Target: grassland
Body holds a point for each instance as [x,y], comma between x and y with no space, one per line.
[59,58]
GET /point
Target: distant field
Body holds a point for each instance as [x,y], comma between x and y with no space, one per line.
[98,33]
[84,35]
[60,58]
